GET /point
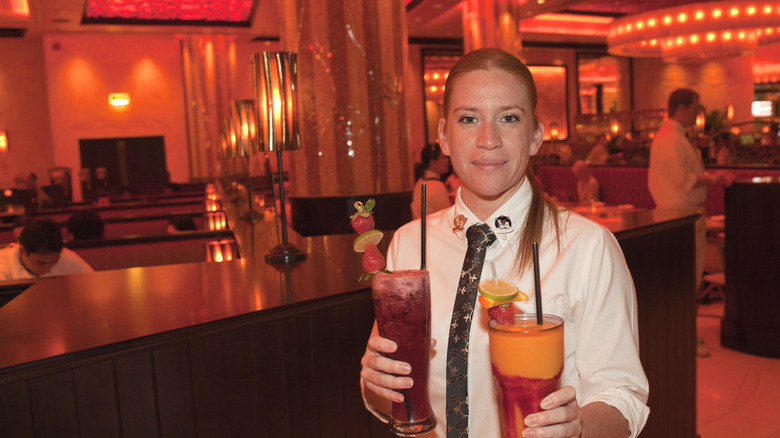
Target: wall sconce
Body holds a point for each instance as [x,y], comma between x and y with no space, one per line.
[275,90]
[614,125]
[119,99]
[3,142]
[555,132]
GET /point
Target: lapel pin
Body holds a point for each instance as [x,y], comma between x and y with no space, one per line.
[459,222]
[504,224]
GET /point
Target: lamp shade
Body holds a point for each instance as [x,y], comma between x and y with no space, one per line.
[231,140]
[244,124]
[274,77]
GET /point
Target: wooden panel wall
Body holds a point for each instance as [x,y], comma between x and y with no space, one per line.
[662,265]
[292,373]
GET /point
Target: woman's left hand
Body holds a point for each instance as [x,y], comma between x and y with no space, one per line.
[561,417]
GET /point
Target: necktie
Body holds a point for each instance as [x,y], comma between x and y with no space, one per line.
[479,237]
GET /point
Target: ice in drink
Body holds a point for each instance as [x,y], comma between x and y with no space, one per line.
[527,363]
[402,305]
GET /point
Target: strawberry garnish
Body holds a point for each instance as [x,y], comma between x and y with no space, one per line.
[503,313]
[373,260]
[363,220]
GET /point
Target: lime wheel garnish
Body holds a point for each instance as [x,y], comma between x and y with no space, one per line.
[370,236]
[496,292]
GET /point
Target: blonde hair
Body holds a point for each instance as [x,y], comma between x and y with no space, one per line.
[542,211]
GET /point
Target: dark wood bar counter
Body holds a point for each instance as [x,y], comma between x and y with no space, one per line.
[750,323]
[243,348]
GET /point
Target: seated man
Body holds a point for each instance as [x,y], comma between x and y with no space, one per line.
[40,254]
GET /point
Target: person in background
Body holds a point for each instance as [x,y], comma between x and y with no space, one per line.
[126,193]
[490,130]
[723,149]
[40,254]
[171,188]
[599,153]
[85,224]
[434,164]
[587,184]
[181,224]
[676,176]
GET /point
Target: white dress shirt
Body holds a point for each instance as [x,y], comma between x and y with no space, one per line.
[587,283]
[11,267]
[673,170]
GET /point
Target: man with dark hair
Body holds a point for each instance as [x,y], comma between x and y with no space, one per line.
[676,176]
[85,224]
[40,254]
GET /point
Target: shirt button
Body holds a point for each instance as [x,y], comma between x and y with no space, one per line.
[503,237]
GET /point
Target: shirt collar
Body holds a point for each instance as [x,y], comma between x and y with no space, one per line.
[515,209]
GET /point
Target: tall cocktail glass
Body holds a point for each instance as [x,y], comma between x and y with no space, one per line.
[402,305]
[527,363]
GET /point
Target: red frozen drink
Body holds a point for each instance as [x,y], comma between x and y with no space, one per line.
[402,305]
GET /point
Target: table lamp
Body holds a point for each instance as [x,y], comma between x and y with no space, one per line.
[274,86]
[245,128]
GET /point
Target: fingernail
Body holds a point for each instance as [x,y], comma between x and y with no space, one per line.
[546,403]
[531,421]
[411,383]
[529,433]
[406,368]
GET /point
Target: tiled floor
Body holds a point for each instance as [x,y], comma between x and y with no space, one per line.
[738,394]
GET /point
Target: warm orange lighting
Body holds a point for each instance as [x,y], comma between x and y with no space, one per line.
[8,193]
[566,24]
[730,29]
[3,142]
[119,99]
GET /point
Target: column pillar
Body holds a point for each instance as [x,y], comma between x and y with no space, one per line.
[351,59]
[492,23]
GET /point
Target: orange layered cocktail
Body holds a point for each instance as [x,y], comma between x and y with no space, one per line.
[527,363]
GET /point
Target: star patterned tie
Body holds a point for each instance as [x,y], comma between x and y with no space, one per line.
[479,237]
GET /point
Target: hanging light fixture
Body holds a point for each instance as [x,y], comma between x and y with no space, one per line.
[697,31]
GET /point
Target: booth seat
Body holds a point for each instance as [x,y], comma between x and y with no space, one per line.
[628,184]
[144,226]
[619,184]
[129,252]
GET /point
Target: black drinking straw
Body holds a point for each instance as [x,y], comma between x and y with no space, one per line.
[537,285]
[422,228]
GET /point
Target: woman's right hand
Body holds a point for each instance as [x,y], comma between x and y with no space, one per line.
[382,375]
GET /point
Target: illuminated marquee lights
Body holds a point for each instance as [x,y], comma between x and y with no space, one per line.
[697,31]
[209,11]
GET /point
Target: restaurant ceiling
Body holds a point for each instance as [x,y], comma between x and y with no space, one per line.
[429,19]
